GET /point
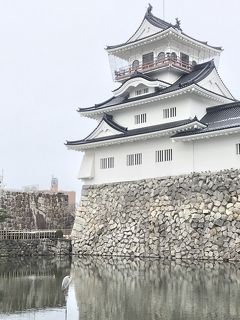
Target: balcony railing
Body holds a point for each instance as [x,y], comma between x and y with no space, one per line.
[156,64]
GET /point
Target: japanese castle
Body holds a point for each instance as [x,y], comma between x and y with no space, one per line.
[171,113]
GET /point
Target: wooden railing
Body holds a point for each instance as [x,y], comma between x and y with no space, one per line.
[33,234]
[154,65]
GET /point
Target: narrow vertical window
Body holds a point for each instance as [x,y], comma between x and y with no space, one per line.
[140,118]
[163,155]
[238,148]
[170,112]
[107,163]
[134,159]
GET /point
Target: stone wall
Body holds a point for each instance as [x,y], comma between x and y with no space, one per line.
[36,210]
[194,216]
[36,247]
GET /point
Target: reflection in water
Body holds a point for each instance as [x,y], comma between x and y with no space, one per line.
[28,283]
[119,289]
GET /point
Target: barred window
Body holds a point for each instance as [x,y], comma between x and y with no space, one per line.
[138,92]
[163,155]
[170,112]
[145,90]
[238,148]
[107,163]
[140,118]
[134,159]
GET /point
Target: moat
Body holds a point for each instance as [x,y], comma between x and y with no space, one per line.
[118,289]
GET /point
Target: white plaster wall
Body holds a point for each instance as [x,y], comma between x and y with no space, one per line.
[202,155]
[149,169]
[167,74]
[187,107]
[216,153]
[145,30]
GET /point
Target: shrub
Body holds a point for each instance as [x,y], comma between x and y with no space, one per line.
[3,215]
[59,234]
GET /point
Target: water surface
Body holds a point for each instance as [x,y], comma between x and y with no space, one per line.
[118,289]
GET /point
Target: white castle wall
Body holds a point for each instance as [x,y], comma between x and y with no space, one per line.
[201,155]
[186,106]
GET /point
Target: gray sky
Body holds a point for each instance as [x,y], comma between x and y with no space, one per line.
[52,61]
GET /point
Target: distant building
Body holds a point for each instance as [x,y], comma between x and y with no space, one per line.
[54,185]
[31,188]
[71,194]
[171,114]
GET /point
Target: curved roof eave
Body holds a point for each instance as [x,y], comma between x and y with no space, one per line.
[204,43]
[177,125]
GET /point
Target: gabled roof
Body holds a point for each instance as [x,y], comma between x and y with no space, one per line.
[162,26]
[170,127]
[217,119]
[107,119]
[138,74]
[139,78]
[198,73]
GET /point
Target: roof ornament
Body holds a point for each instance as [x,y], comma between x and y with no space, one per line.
[178,24]
[149,9]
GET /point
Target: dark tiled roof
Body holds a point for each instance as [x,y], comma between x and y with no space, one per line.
[163,25]
[157,22]
[135,132]
[109,120]
[218,118]
[198,73]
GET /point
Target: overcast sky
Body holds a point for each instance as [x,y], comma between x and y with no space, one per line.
[52,61]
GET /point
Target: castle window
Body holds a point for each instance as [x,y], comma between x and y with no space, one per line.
[147,59]
[138,92]
[135,64]
[161,57]
[238,148]
[145,90]
[170,112]
[140,118]
[184,58]
[163,155]
[194,63]
[174,56]
[107,163]
[134,159]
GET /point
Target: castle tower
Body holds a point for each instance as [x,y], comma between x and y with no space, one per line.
[171,114]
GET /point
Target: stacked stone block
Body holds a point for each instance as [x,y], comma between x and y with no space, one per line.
[195,216]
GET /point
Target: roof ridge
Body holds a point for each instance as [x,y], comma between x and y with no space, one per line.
[158,22]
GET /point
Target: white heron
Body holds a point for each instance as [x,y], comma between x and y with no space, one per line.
[66,282]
